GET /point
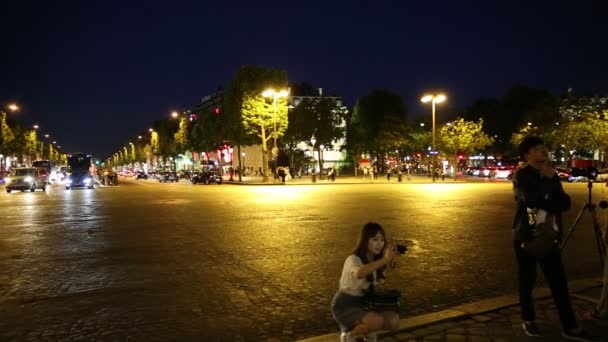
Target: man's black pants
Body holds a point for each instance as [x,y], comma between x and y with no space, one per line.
[553,269]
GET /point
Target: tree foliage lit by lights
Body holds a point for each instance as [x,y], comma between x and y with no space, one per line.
[462,136]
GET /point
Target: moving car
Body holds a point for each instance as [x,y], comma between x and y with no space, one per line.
[207,177]
[168,176]
[80,175]
[25,178]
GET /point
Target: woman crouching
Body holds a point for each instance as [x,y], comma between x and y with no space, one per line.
[364,267]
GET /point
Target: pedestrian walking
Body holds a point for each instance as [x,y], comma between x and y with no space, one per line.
[540,199]
[364,268]
[388,175]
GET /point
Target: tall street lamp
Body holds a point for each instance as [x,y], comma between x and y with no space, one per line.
[321,149]
[275,95]
[433,98]
[313,141]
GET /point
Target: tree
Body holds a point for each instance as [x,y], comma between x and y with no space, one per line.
[181,136]
[249,115]
[31,143]
[379,116]
[258,119]
[324,117]
[6,134]
[461,136]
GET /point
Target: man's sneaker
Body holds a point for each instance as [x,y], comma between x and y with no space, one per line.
[530,329]
[580,336]
[371,337]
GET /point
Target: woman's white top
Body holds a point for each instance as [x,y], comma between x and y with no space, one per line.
[349,283]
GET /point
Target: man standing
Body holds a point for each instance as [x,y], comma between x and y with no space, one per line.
[537,187]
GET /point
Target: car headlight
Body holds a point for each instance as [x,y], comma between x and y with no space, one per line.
[87,180]
[7,180]
[28,179]
[67,180]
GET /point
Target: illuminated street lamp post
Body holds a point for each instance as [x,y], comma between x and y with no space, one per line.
[313,141]
[321,149]
[435,98]
[275,95]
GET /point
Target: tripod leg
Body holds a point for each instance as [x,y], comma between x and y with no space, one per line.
[573,226]
[598,234]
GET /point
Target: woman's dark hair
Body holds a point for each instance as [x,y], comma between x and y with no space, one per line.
[527,144]
[368,231]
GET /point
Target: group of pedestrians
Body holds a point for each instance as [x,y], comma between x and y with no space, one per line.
[540,200]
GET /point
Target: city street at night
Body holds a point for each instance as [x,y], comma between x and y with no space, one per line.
[174,261]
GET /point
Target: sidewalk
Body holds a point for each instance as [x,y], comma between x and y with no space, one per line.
[307,180]
[496,319]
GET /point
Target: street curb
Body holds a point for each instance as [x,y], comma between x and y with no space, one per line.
[339,183]
[473,309]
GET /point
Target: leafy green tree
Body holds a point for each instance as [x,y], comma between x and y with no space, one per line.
[379,117]
[6,134]
[324,117]
[462,136]
[259,119]
[248,115]
[31,143]
[181,136]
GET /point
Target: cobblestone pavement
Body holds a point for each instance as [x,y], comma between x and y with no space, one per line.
[502,325]
[150,261]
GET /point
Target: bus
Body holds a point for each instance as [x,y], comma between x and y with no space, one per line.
[45,165]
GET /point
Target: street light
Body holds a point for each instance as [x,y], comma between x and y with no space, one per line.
[174,114]
[35,126]
[13,107]
[313,141]
[433,98]
[275,95]
[321,149]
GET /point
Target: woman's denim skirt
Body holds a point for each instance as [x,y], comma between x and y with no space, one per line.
[348,310]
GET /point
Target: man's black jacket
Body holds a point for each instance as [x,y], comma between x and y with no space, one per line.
[532,190]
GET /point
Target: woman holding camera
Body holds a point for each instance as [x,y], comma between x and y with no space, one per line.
[364,268]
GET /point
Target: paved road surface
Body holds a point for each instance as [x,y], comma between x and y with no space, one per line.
[150,261]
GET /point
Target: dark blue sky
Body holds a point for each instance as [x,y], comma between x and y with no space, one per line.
[96,75]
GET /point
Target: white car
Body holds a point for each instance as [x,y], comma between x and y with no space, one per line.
[602,175]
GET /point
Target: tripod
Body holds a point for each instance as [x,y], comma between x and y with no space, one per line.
[596,225]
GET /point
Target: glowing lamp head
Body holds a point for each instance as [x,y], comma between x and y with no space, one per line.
[426,98]
[268,93]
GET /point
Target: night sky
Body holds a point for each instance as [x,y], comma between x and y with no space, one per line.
[96,75]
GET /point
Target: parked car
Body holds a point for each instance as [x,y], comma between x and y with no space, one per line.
[602,175]
[25,178]
[141,175]
[207,177]
[168,176]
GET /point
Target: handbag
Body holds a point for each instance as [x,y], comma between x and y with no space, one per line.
[544,238]
[383,300]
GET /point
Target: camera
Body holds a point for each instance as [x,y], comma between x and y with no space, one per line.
[401,249]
